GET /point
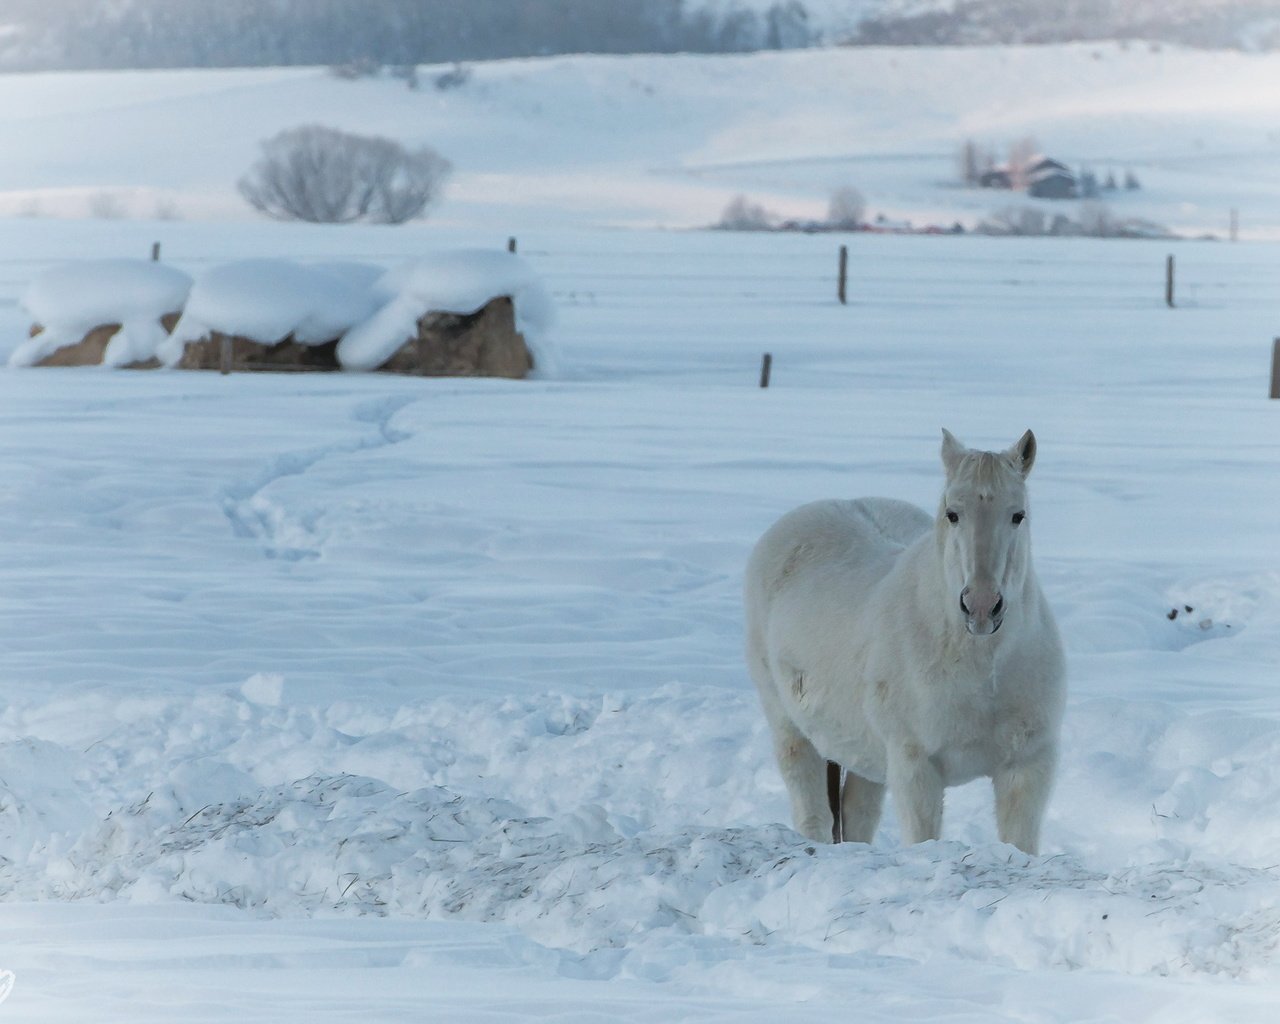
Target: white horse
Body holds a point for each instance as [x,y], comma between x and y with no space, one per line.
[915,653]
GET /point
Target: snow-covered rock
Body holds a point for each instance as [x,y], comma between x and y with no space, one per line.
[270,300]
[461,281]
[70,300]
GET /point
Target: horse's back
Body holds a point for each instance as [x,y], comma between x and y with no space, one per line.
[857,539]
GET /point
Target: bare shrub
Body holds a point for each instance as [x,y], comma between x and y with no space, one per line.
[167,209]
[973,161]
[361,67]
[743,215]
[106,206]
[1022,155]
[325,176]
[846,209]
[1014,220]
[455,78]
[1097,220]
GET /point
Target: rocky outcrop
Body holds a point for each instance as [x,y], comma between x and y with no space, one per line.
[481,344]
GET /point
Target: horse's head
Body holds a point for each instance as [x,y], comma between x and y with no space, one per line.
[982,529]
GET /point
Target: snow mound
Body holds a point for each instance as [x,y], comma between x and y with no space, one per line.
[460,281]
[269,300]
[71,299]
[528,812]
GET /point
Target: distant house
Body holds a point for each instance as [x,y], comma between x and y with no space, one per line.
[1050,179]
[1044,178]
[1042,164]
[996,177]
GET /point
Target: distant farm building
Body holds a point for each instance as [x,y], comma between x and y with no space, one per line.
[1044,178]
[996,177]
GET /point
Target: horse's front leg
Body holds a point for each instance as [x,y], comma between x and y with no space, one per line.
[1022,792]
[860,807]
[916,785]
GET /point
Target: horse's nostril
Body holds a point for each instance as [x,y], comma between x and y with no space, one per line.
[964,607]
[998,608]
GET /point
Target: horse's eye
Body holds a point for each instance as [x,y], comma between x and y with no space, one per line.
[953,516]
[1018,517]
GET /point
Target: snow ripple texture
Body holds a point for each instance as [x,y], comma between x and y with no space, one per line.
[532,812]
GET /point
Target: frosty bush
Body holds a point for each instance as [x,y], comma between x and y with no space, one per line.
[106,206]
[846,209]
[1015,220]
[743,215]
[1094,220]
[326,176]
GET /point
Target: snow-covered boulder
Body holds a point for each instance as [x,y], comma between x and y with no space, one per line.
[275,313]
[114,312]
[460,313]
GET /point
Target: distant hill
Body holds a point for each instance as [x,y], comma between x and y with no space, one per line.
[1227,24]
[84,34]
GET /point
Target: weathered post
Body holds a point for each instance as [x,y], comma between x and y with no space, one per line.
[844,274]
[1275,369]
[511,244]
[224,355]
[1168,282]
[766,364]
[155,252]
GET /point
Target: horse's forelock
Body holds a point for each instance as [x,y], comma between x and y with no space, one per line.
[987,471]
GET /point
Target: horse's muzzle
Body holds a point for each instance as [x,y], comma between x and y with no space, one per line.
[983,611]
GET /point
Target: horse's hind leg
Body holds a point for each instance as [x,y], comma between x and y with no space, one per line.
[860,806]
[804,771]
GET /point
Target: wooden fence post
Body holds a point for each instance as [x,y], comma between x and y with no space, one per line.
[224,355]
[155,252]
[511,244]
[1168,282]
[1275,369]
[844,273]
[766,364]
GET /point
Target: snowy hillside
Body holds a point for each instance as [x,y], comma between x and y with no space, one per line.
[535,143]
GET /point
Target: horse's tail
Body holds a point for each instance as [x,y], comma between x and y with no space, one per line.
[834,773]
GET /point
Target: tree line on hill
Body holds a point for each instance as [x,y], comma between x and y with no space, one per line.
[1231,24]
[49,34]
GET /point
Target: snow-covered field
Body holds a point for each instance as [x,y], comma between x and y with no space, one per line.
[353,697]
[350,697]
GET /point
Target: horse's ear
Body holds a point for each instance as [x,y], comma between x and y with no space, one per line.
[1023,454]
[952,451]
